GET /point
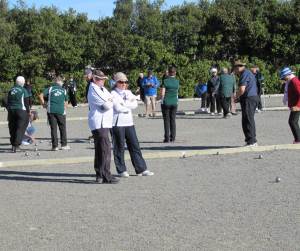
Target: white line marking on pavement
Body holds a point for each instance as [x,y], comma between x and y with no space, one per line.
[156,155]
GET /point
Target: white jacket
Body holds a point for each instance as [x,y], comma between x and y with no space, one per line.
[124,102]
[101,107]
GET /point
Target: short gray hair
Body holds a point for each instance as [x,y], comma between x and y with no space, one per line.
[224,70]
[20,80]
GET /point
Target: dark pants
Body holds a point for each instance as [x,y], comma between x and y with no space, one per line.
[248,106]
[169,116]
[259,103]
[102,154]
[120,134]
[294,125]
[204,100]
[60,120]
[17,123]
[73,99]
[225,104]
[213,102]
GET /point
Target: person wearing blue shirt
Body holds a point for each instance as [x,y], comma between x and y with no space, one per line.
[150,85]
[201,92]
[247,96]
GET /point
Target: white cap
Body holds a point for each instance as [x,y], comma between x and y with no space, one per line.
[20,80]
[213,70]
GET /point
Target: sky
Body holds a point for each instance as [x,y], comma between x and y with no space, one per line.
[94,8]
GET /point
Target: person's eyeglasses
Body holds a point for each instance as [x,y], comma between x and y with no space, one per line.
[123,82]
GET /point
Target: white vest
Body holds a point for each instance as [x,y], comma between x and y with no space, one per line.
[100,103]
[123,104]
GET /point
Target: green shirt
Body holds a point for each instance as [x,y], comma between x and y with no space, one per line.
[15,98]
[227,85]
[56,96]
[171,84]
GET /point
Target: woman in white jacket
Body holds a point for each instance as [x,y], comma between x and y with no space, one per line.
[123,129]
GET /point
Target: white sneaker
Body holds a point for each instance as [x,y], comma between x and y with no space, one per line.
[25,143]
[124,175]
[65,147]
[146,173]
[212,114]
[251,145]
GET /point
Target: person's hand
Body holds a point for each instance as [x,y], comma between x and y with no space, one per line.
[295,109]
[236,99]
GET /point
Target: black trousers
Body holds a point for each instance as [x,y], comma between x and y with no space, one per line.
[225,104]
[294,125]
[73,98]
[248,106]
[204,100]
[169,116]
[259,103]
[102,154]
[213,102]
[17,123]
[60,121]
[128,134]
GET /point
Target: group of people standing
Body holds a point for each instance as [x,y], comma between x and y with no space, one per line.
[111,112]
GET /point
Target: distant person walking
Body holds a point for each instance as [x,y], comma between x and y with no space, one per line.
[226,90]
[55,99]
[170,87]
[247,96]
[150,84]
[72,92]
[18,112]
[293,98]
[100,121]
[124,130]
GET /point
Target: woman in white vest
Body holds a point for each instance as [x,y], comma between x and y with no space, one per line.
[124,130]
[100,121]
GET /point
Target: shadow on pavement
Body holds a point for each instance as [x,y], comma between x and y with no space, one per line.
[41,177]
[168,147]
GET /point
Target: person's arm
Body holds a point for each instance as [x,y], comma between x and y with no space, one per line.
[131,101]
[119,104]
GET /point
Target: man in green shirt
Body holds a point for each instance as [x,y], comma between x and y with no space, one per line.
[169,104]
[55,98]
[18,112]
[226,90]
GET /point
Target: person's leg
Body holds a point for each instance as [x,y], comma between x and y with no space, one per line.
[22,123]
[173,110]
[103,151]
[12,126]
[212,103]
[53,126]
[119,148]
[223,105]
[148,105]
[294,125]
[136,156]
[153,105]
[244,120]
[61,120]
[166,111]
[259,105]
[233,104]
[226,105]
[75,99]
[250,106]
[218,104]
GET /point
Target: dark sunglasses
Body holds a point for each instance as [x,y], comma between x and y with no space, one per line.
[123,82]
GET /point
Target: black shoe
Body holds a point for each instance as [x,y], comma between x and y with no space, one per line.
[166,141]
[99,180]
[15,149]
[234,113]
[113,180]
[172,140]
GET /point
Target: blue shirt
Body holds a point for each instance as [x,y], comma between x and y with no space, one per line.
[248,79]
[150,90]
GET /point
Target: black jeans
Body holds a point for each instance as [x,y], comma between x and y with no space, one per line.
[128,134]
[169,116]
[225,103]
[213,102]
[294,125]
[60,120]
[17,123]
[102,154]
[73,98]
[248,106]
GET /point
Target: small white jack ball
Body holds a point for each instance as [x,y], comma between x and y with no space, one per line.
[277,179]
[36,149]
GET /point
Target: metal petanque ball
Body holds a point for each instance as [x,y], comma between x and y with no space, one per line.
[41,141]
[260,156]
[218,153]
[277,179]
[38,154]
[183,155]
[26,154]
[36,144]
